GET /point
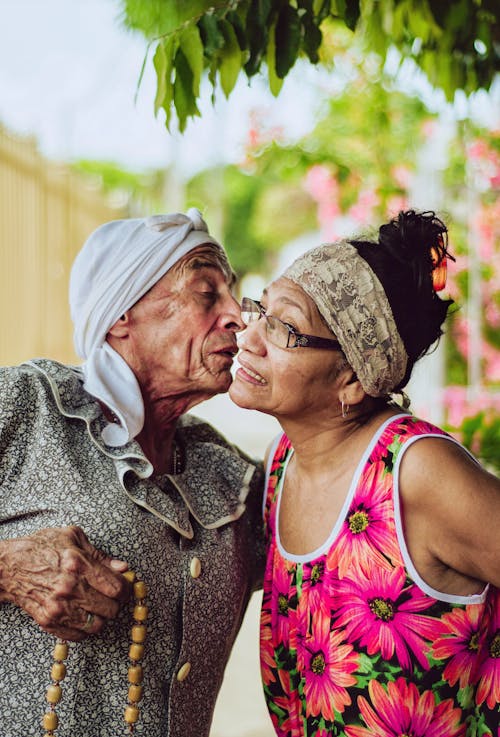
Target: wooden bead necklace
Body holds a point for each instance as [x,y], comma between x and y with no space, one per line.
[50,719]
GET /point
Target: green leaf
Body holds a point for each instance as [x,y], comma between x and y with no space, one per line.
[166,64]
[236,21]
[275,83]
[230,58]
[184,99]
[160,65]
[257,33]
[288,34]
[321,9]
[162,17]
[192,48]
[211,35]
[352,13]
[312,39]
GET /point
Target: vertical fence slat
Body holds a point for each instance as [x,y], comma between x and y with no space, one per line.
[46,213]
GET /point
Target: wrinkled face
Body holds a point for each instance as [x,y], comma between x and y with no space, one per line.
[181,337]
[279,381]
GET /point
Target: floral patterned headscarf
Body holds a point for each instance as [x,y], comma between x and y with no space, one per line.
[352,301]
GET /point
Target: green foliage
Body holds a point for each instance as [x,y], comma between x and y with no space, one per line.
[481,435]
[144,189]
[237,194]
[362,135]
[455,42]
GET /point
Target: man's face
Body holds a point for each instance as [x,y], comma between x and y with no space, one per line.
[181,341]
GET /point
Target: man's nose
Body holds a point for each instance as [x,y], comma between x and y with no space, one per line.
[231,317]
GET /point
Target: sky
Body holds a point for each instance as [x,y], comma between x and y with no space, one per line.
[68,75]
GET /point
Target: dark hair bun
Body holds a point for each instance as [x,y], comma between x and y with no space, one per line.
[408,248]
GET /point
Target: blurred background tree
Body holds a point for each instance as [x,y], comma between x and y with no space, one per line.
[457,44]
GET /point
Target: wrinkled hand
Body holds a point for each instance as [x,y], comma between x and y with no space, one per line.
[59,578]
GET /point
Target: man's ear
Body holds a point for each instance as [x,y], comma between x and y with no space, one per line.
[121,327]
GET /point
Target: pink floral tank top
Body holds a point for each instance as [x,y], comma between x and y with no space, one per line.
[353,641]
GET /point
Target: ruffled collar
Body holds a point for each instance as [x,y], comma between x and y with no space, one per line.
[213,486]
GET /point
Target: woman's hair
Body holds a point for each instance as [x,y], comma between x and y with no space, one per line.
[403,260]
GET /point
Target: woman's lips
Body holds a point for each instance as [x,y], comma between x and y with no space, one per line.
[248,374]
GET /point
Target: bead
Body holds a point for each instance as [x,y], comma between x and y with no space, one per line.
[140,589]
[54,694]
[136,651]
[58,671]
[134,693]
[140,613]
[195,567]
[183,672]
[135,674]
[61,651]
[131,714]
[50,721]
[138,633]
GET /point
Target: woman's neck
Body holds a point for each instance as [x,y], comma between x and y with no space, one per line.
[333,443]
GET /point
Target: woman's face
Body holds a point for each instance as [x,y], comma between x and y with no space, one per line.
[285,382]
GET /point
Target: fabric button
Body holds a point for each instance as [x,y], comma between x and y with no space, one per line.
[183,672]
[195,567]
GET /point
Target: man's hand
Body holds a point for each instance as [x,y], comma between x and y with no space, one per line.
[62,581]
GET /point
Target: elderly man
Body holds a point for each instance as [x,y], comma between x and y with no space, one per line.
[100,470]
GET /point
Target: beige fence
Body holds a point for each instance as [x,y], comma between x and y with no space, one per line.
[46,213]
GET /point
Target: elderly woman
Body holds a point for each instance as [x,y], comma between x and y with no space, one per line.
[380,614]
[100,470]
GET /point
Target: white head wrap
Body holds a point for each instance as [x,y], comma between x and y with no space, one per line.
[118,264]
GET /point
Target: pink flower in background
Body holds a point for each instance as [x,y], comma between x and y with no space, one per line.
[402,710]
[491,357]
[455,401]
[363,210]
[429,127]
[478,150]
[402,176]
[492,314]
[396,203]
[459,405]
[462,335]
[486,244]
[321,184]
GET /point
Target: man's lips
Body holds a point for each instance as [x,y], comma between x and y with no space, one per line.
[228,350]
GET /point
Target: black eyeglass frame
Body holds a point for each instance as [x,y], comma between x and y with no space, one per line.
[302,340]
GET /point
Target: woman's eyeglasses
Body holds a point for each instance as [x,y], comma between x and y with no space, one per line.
[280,333]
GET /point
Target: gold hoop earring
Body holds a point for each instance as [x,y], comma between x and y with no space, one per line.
[345,409]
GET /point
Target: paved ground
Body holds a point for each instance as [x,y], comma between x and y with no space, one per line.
[240,710]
